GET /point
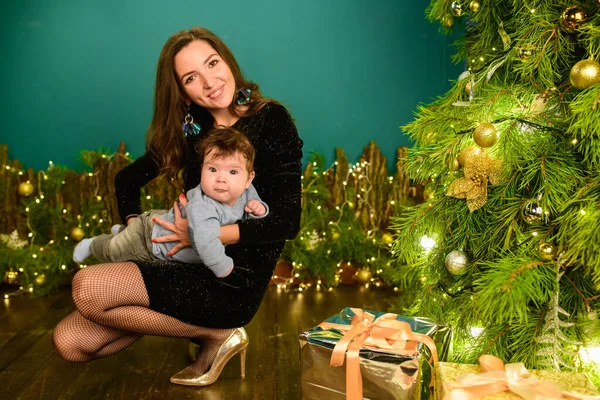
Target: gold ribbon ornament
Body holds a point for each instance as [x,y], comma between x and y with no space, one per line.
[479,168]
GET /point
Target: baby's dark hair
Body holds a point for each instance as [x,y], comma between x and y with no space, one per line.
[226,142]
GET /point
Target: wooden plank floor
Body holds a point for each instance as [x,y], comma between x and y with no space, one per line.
[29,368]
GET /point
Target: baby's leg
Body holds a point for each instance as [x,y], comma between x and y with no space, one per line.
[129,244]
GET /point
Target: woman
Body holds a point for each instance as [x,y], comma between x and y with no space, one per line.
[199,84]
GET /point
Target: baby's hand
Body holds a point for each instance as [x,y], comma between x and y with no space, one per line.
[255,207]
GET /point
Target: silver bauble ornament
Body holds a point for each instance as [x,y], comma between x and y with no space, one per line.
[533,213]
[456,262]
[457,8]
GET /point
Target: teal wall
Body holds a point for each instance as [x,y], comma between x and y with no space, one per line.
[79,75]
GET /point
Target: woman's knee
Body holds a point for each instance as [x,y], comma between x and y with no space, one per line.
[64,343]
[87,291]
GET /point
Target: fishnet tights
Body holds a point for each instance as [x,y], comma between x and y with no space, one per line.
[112,312]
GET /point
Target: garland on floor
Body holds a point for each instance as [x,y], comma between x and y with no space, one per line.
[343,238]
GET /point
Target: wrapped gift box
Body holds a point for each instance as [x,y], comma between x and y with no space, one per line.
[567,381]
[385,374]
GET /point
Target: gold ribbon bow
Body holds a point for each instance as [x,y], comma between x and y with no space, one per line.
[495,377]
[478,169]
[384,332]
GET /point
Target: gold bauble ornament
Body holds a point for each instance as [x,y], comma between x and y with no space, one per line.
[573,17]
[456,262]
[40,279]
[363,275]
[547,251]
[486,134]
[448,21]
[26,189]
[335,236]
[585,73]
[467,152]
[387,238]
[524,53]
[77,233]
[11,277]
[474,6]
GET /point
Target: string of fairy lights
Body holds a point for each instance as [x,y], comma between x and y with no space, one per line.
[364,276]
[356,176]
[95,222]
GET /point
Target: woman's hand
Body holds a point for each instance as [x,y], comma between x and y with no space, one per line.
[179,228]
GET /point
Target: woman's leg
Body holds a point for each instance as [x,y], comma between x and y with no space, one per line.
[77,339]
[114,296]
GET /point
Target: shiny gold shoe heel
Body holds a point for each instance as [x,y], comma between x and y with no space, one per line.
[236,343]
[243,362]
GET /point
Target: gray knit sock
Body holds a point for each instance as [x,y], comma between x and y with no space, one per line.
[115,229]
[82,250]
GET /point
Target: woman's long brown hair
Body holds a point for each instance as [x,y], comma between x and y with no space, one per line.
[165,141]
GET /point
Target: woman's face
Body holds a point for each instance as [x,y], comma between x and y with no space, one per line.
[204,76]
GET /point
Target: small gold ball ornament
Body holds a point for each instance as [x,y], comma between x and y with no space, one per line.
[486,134]
[11,277]
[468,87]
[77,233]
[40,279]
[363,275]
[573,17]
[585,73]
[456,262]
[525,53]
[474,6]
[387,238]
[448,21]
[469,151]
[547,251]
[26,189]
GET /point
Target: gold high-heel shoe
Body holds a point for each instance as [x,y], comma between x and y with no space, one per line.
[237,342]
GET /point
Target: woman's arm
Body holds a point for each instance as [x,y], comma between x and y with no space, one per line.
[278,181]
[128,183]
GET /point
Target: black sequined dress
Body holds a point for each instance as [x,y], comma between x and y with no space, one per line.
[192,293]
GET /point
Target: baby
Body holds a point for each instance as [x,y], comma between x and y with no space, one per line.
[224,196]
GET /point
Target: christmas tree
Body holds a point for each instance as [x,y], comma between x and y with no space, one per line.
[506,248]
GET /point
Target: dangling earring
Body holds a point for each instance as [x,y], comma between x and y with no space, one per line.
[189,127]
[243,96]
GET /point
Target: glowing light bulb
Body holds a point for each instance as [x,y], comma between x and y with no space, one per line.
[427,243]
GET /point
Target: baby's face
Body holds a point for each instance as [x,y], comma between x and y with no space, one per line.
[225,178]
